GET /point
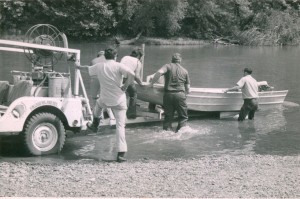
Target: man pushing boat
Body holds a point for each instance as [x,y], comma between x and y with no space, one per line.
[177,86]
[249,87]
[112,95]
[133,62]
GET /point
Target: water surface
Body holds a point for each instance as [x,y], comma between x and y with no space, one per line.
[273,132]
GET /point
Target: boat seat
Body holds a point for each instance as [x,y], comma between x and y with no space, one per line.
[9,93]
[2,110]
[4,87]
[20,89]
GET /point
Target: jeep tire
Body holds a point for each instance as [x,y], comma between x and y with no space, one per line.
[44,133]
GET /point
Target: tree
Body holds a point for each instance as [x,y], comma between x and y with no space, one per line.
[79,19]
[254,22]
[159,17]
[214,18]
[11,15]
[274,22]
[124,11]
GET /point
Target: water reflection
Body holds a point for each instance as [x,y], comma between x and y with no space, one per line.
[283,139]
[248,134]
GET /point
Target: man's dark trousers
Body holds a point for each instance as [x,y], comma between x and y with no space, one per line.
[249,107]
[131,111]
[175,101]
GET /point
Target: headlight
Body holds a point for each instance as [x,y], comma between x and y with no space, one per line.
[18,111]
[15,113]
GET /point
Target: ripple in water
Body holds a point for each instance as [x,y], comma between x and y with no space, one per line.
[184,133]
[84,150]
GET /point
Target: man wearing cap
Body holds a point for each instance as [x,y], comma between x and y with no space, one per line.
[133,63]
[95,86]
[100,58]
[249,87]
[177,86]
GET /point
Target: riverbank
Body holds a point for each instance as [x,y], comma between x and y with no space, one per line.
[142,40]
[246,176]
[175,41]
[172,41]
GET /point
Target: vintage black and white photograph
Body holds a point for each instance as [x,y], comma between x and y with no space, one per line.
[150,98]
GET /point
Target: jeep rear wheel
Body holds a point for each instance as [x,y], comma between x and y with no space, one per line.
[44,134]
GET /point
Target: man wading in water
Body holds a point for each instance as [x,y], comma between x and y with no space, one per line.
[249,88]
[177,86]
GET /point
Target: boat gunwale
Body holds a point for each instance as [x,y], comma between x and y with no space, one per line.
[213,90]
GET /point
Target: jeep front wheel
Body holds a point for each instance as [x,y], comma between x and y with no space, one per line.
[44,134]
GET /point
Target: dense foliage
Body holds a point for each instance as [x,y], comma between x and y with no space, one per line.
[249,22]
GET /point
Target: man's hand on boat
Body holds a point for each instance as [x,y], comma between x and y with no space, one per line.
[139,81]
[228,90]
[146,84]
[235,88]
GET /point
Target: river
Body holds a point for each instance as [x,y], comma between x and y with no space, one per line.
[274,131]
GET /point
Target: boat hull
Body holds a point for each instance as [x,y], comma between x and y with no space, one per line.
[212,99]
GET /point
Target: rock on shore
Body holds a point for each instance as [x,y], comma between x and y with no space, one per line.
[208,176]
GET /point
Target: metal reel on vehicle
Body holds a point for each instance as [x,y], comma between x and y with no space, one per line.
[44,34]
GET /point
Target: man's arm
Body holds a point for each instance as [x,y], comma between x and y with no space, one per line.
[187,88]
[238,86]
[138,80]
[235,88]
[187,84]
[158,74]
[86,68]
[138,70]
[137,77]
[81,66]
[156,77]
[128,76]
[128,81]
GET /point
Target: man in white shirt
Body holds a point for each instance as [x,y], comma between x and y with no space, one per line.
[134,64]
[95,85]
[249,87]
[112,95]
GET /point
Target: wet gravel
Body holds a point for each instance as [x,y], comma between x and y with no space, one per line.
[209,176]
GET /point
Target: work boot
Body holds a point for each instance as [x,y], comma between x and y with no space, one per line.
[120,157]
[94,126]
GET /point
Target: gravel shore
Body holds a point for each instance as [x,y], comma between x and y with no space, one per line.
[209,176]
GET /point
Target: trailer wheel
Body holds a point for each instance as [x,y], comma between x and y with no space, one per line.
[44,134]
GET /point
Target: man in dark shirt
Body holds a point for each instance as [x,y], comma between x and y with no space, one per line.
[177,86]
